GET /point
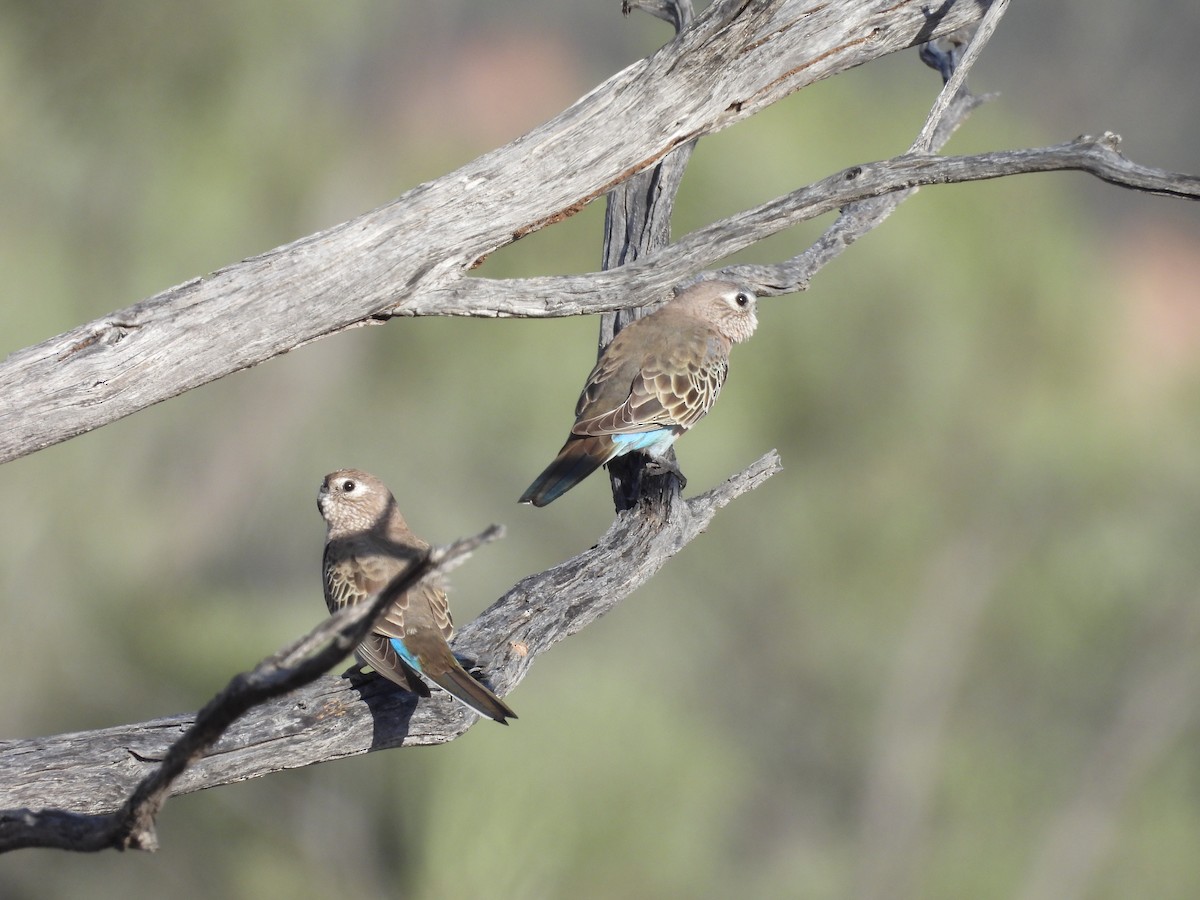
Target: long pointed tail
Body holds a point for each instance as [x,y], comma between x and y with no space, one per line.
[458,683]
[579,458]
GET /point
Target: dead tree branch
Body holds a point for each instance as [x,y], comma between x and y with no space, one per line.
[735,60]
[630,138]
[604,291]
[132,825]
[93,774]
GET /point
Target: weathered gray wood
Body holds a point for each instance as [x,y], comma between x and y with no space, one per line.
[860,216]
[94,772]
[637,221]
[603,291]
[736,59]
[382,265]
[132,825]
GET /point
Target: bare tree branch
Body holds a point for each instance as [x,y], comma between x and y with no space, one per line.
[46,379]
[94,772]
[855,219]
[600,292]
[630,137]
[677,13]
[956,84]
[734,61]
[133,825]
[637,222]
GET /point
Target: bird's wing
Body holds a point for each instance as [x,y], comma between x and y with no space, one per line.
[428,628]
[419,620]
[671,386]
[423,606]
[343,587]
[354,575]
[377,651]
[355,571]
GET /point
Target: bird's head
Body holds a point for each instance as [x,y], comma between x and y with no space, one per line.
[352,501]
[729,307]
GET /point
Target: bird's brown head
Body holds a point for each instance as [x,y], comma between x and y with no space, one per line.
[728,307]
[354,501]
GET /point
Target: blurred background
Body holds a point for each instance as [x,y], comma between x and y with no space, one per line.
[948,652]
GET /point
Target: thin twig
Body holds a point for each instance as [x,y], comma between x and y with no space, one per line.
[926,139]
[950,110]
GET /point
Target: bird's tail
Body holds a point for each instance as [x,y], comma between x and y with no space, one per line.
[459,684]
[579,458]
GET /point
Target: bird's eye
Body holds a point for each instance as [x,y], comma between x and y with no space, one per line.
[742,299]
[348,485]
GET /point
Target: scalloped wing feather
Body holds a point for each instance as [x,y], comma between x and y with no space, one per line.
[354,574]
[423,604]
[660,397]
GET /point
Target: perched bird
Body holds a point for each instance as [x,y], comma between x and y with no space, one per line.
[657,379]
[367,544]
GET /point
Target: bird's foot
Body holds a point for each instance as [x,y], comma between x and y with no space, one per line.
[471,665]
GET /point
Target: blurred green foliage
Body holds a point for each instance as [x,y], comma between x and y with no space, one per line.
[980,435]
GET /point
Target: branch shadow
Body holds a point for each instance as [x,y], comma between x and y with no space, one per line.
[391,707]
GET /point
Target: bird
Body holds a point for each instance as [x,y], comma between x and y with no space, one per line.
[367,544]
[655,380]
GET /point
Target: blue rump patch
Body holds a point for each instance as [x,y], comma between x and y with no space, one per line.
[654,442]
[398,646]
